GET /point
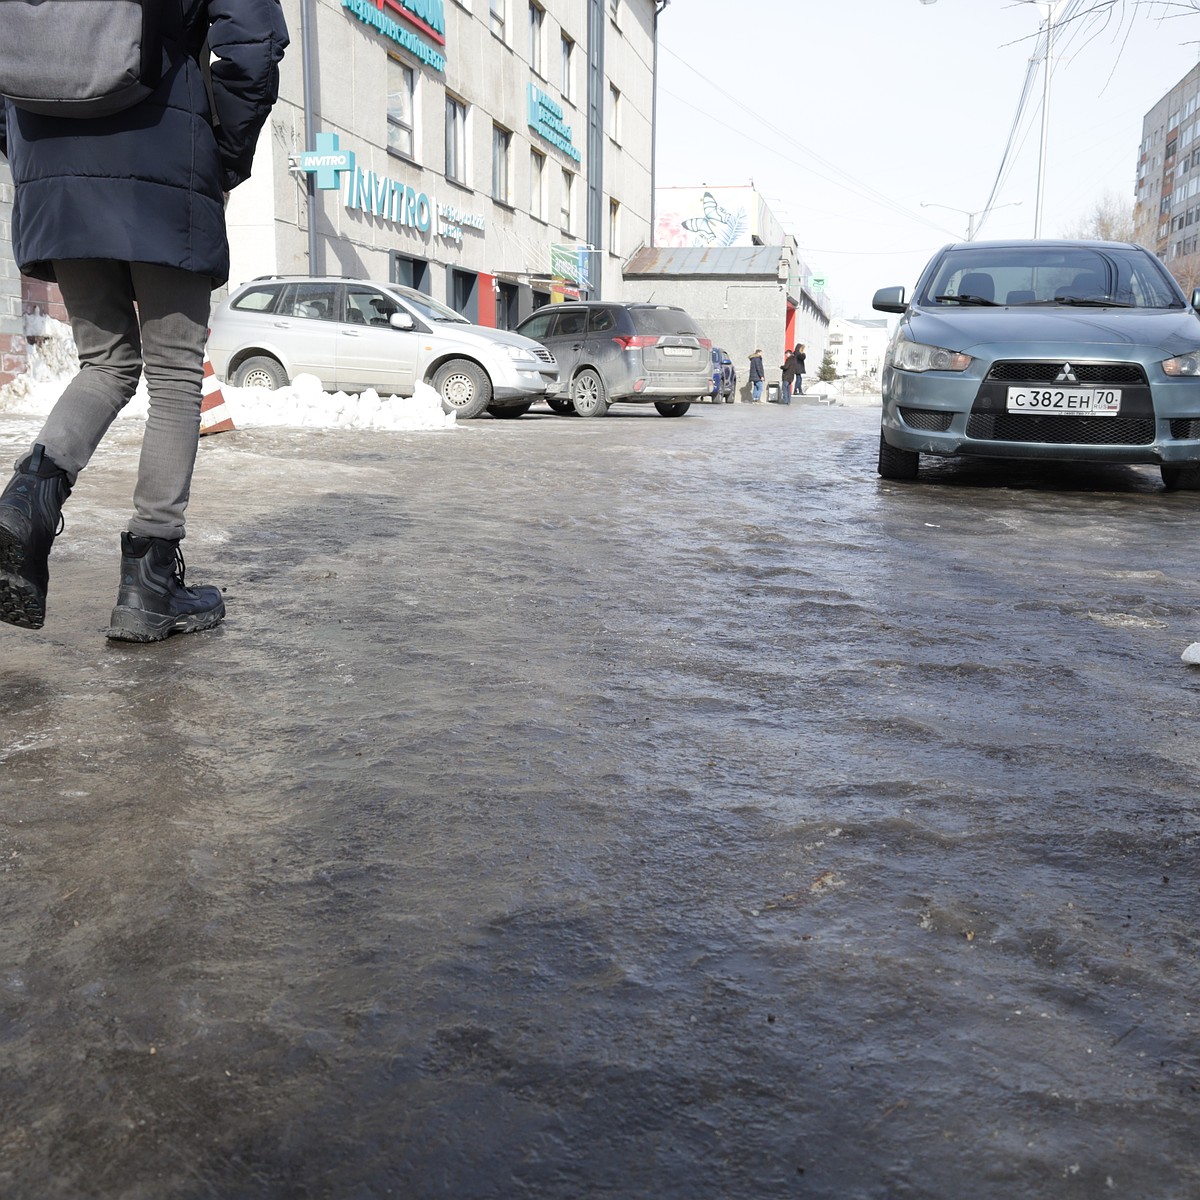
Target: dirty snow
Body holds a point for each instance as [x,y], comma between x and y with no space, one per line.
[52,363]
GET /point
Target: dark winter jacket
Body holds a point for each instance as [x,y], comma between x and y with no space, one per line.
[756,368]
[147,184]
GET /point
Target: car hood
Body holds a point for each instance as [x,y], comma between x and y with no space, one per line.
[973,330]
[482,335]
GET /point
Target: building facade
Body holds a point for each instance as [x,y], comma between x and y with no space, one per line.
[1167,207]
[495,154]
[857,347]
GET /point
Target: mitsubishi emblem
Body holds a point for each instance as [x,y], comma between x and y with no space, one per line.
[1066,375]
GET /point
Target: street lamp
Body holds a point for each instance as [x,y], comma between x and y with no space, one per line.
[969,215]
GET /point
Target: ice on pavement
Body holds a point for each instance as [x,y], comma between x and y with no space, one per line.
[52,363]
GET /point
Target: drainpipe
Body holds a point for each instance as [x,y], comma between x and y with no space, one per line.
[658,9]
[306,20]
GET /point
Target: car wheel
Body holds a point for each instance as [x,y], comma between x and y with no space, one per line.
[509,412]
[561,405]
[1180,479]
[589,395]
[260,372]
[464,388]
[895,463]
[672,408]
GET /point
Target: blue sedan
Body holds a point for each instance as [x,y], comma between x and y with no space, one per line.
[1068,350]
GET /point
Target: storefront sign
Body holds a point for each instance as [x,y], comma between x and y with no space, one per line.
[425,16]
[403,205]
[546,120]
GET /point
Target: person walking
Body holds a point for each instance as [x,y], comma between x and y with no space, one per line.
[125,213]
[789,375]
[798,361]
[757,377]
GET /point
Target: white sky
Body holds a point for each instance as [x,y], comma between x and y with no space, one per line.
[847,114]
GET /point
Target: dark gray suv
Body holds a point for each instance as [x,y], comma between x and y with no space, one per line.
[609,352]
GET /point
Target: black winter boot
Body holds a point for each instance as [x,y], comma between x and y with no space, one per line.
[30,513]
[152,600]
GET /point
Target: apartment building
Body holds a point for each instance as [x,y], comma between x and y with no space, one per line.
[1167,208]
[858,347]
[493,153]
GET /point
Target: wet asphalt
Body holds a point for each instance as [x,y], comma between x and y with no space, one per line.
[633,807]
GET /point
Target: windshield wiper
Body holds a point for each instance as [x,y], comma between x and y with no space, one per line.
[1088,302]
[966,298]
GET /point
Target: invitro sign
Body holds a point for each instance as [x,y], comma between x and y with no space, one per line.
[403,205]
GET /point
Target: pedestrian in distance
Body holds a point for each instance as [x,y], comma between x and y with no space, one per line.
[125,211]
[789,375]
[798,361]
[757,377]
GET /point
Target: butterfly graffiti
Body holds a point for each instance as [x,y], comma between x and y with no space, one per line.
[717,227]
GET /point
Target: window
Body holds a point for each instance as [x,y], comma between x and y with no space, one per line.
[614,227]
[401,82]
[537,185]
[411,272]
[537,18]
[366,306]
[497,18]
[456,140]
[568,68]
[501,147]
[316,301]
[568,201]
[614,113]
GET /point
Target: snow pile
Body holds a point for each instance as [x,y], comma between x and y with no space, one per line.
[303,404]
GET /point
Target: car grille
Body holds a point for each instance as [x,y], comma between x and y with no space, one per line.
[931,420]
[1048,372]
[1061,431]
[1185,427]
[544,354]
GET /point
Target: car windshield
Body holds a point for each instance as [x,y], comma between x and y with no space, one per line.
[1081,276]
[428,307]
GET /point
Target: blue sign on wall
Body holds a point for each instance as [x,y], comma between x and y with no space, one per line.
[327,161]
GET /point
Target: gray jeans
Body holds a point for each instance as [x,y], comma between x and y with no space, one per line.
[164,334]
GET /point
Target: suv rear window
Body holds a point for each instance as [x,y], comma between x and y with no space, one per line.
[258,299]
[664,320]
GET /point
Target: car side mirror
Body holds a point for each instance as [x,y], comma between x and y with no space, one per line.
[402,320]
[890,300]
[1196,298]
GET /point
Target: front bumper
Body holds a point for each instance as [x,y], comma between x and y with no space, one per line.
[939,413]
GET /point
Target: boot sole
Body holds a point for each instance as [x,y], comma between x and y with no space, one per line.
[22,602]
[136,625]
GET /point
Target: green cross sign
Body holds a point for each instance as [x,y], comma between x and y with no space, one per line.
[327,160]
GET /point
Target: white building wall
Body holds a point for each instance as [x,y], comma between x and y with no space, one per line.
[269,221]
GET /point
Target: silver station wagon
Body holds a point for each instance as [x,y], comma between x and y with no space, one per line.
[354,334]
[1068,350]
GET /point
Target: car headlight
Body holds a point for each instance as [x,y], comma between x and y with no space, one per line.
[1183,364]
[916,356]
[521,354]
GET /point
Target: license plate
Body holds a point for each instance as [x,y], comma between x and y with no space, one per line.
[676,351]
[1065,402]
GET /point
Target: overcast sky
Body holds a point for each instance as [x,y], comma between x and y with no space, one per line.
[847,114]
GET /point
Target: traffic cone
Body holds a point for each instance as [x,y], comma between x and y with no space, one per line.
[214,415]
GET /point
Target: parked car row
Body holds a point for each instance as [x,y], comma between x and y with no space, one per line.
[353,334]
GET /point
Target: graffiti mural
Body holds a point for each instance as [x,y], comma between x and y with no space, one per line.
[702,220]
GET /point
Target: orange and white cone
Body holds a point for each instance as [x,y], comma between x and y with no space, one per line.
[214,415]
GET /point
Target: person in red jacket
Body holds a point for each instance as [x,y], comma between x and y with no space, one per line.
[125,213]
